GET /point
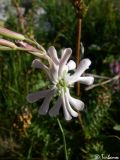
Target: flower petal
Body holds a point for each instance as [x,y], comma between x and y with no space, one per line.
[65,56]
[53,54]
[65,111]
[77,104]
[53,72]
[71,65]
[45,105]
[84,64]
[54,111]
[70,110]
[85,80]
[38,64]
[33,97]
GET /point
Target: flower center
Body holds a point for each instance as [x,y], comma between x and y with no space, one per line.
[61,85]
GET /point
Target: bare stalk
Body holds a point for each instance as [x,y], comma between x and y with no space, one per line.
[80,10]
[77,49]
[104,82]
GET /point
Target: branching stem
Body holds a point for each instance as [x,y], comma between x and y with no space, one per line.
[102,83]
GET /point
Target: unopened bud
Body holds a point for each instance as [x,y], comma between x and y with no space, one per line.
[11,34]
[27,46]
[7,43]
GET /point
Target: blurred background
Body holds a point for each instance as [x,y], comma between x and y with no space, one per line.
[26,136]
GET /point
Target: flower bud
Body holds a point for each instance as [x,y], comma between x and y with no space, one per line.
[7,43]
[11,34]
[27,46]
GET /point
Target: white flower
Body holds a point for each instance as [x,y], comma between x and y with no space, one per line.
[62,80]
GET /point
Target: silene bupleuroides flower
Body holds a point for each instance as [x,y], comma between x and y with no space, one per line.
[62,80]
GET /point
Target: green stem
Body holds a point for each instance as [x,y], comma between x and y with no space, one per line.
[29,41]
[64,140]
[33,42]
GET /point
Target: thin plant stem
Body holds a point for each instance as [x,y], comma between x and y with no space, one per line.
[64,140]
[77,50]
[80,121]
[30,150]
[80,9]
[103,83]
[97,76]
[77,54]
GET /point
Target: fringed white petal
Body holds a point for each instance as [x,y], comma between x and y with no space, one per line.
[33,97]
[84,64]
[77,104]
[65,111]
[71,65]
[45,105]
[88,80]
[69,108]
[54,111]
[65,56]
[53,54]
[53,73]
[38,64]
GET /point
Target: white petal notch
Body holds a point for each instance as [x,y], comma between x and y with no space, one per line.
[76,103]
[54,111]
[71,65]
[45,105]
[69,108]
[65,56]
[84,65]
